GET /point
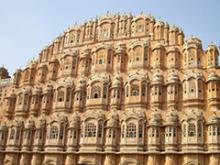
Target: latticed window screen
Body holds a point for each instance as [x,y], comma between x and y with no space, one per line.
[134,90]
[90,130]
[53,132]
[131,130]
[140,130]
[191,129]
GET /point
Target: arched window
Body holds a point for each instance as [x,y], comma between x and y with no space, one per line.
[140,130]
[68,94]
[170,131]
[74,64]
[62,131]
[199,128]
[100,129]
[2,134]
[139,28]
[20,99]
[191,129]
[96,92]
[137,53]
[154,131]
[192,85]
[127,91]
[131,130]
[72,133]
[90,130]
[27,134]
[12,134]
[53,132]
[123,131]
[134,90]
[39,134]
[143,88]
[18,133]
[60,96]
[101,57]
[184,130]
[105,89]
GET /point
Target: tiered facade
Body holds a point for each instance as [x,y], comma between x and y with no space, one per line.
[117,90]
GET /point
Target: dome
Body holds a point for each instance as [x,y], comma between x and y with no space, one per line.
[157,79]
[159,24]
[166,25]
[37,90]
[192,42]
[173,29]
[213,77]
[212,47]
[155,118]
[172,49]
[29,124]
[158,46]
[171,117]
[213,119]
[172,78]
[48,89]
[81,83]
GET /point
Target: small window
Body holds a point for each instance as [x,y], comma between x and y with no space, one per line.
[191,129]
[90,130]
[131,130]
[53,132]
[12,134]
[134,90]
[100,61]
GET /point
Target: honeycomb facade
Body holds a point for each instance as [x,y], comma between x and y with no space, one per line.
[117,90]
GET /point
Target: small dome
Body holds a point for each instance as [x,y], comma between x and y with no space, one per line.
[159,24]
[81,83]
[48,89]
[157,79]
[172,49]
[172,78]
[193,41]
[171,117]
[173,29]
[155,118]
[213,119]
[166,25]
[4,73]
[213,77]
[27,90]
[29,124]
[212,47]
[158,46]
[37,90]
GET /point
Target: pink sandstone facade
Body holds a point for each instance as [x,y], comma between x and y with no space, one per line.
[117,90]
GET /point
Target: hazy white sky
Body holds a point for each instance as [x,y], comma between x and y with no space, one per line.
[26,26]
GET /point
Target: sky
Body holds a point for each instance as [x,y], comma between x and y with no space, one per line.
[26,26]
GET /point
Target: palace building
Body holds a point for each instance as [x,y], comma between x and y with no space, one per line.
[116,90]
